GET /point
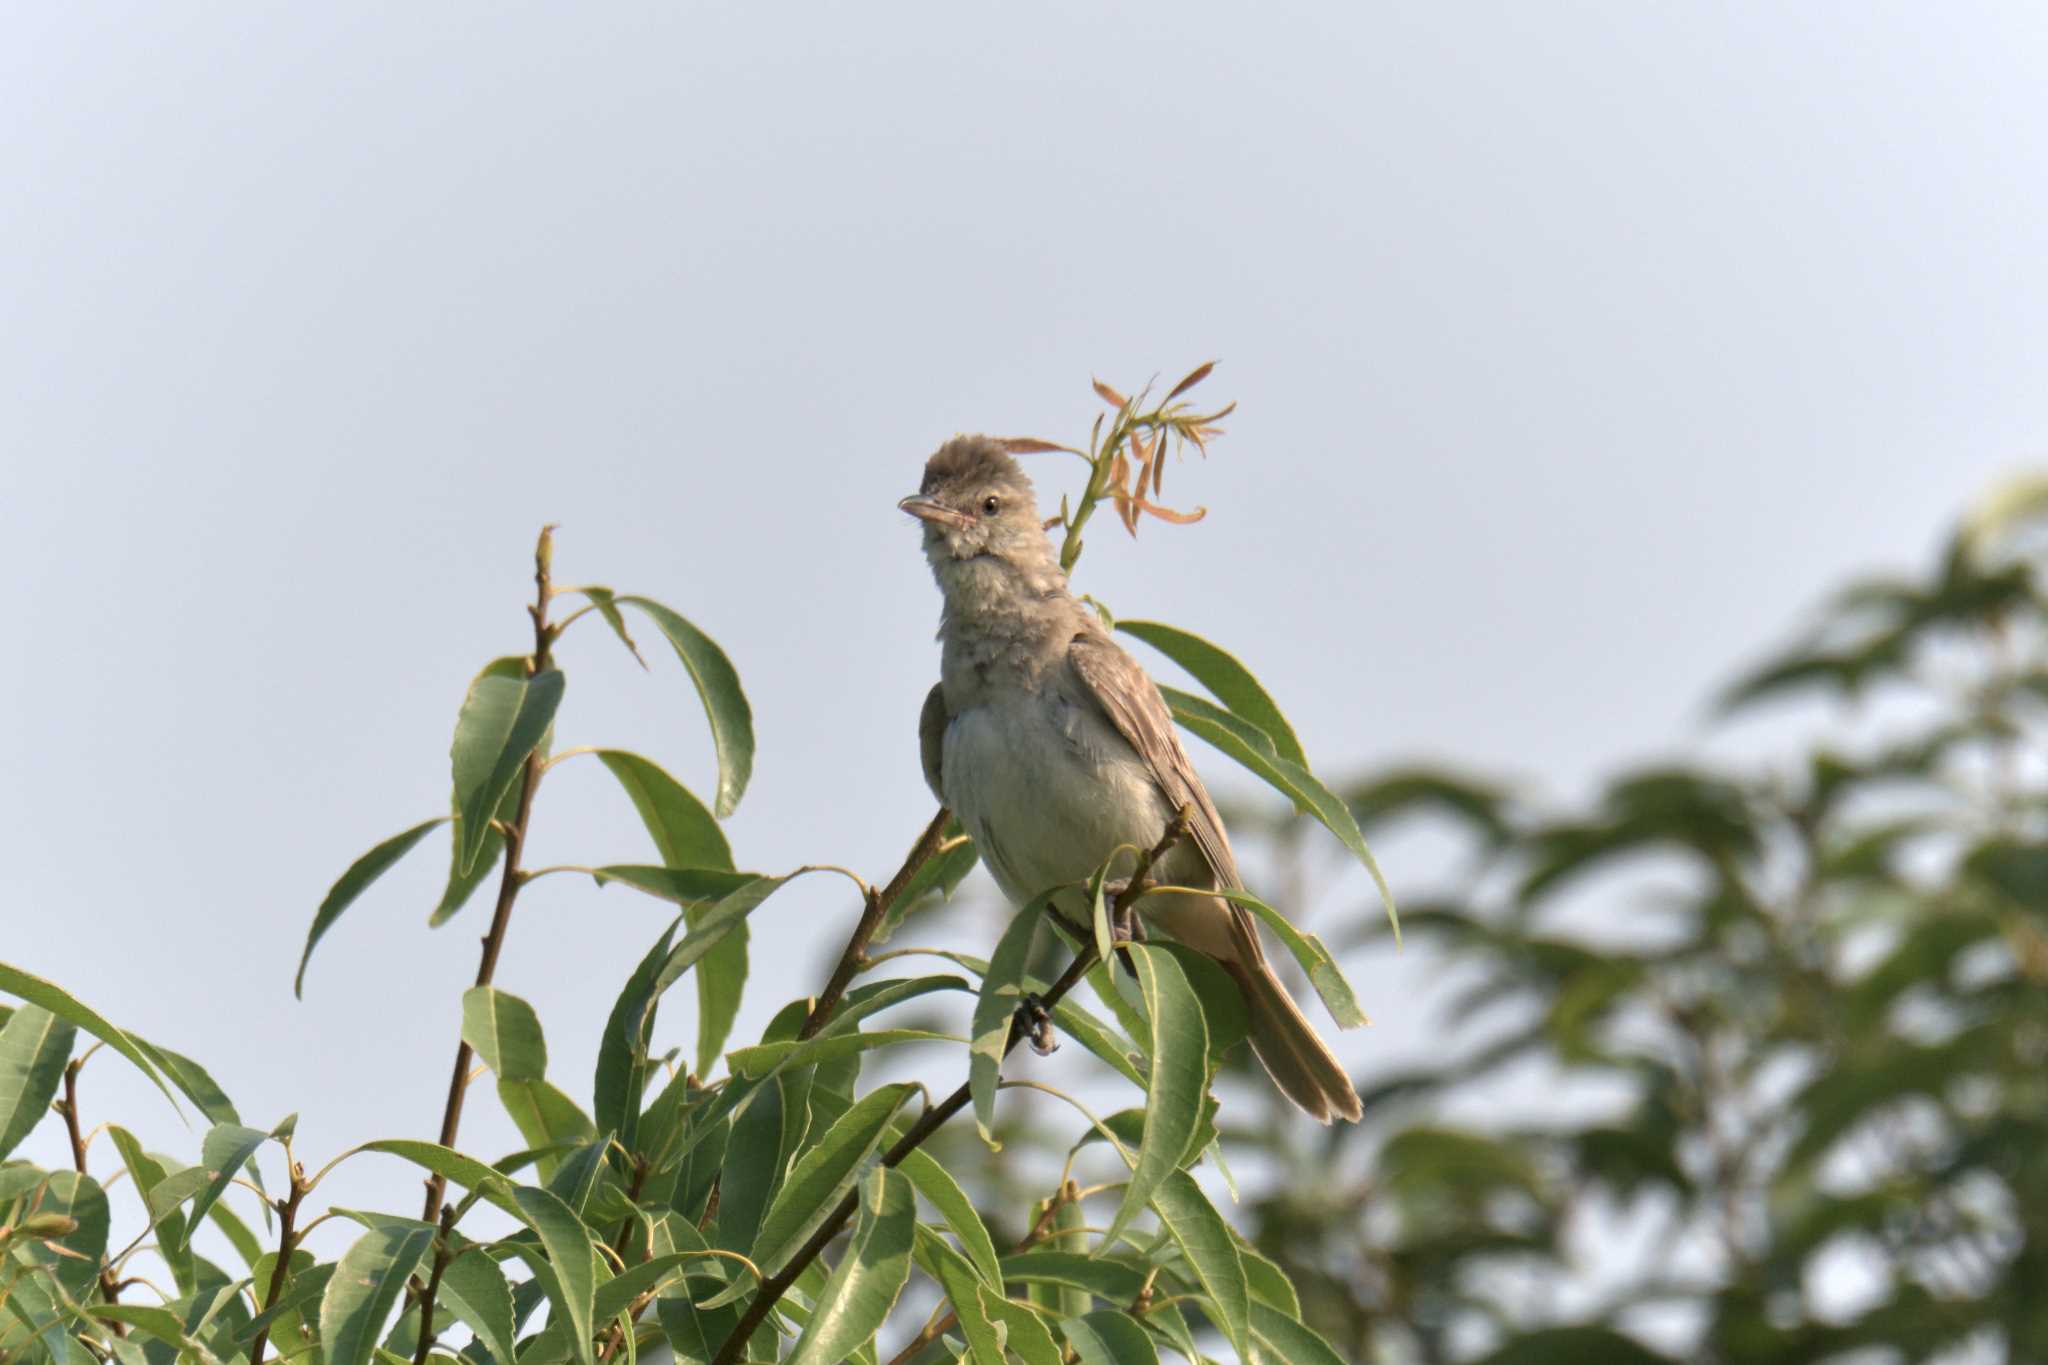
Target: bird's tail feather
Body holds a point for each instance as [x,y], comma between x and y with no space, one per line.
[1288,1046]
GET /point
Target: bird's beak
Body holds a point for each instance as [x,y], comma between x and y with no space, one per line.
[931,509]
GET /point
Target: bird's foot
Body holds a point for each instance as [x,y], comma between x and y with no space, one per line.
[1036,1022]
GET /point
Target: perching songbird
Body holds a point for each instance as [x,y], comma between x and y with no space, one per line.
[1054,747]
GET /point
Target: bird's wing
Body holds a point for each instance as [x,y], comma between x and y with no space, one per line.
[931,740]
[1128,696]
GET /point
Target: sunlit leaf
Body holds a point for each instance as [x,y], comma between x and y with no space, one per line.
[864,1286]
[1179,1077]
[1109,1337]
[366,1285]
[352,884]
[570,1255]
[226,1149]
[1226,678]
[606,602]
[725,705]
[1206,1245]
[501,723]
[1001,992]
[943,1193]
[505,1032]
[61,1003]
[823,1173]
[34,1045]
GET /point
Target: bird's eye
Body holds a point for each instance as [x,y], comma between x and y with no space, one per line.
[991,506]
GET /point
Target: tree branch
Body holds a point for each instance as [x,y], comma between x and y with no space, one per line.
[934,1118]
[855,954]
[287,1215]
[509,882]
[68,1106]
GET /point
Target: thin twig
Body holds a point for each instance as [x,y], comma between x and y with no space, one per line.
[854,956]
[509,883]
[287,1216]
[68,1106]
[934,1118]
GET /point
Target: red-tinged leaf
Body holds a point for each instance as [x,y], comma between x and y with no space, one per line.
[1109,395]
[1030,445]
[1195,376]
[1168,514]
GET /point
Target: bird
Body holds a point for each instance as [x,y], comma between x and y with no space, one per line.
[1055,750]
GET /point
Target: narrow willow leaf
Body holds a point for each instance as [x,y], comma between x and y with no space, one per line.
[501,722]
[622,1048]
[304,1282]
[606,602]
[823,1173]
[720,985]
[1102,1276]
[1315,959]
[869,1278]
[193,1079]
[34,1045]
[1227,679]
[1179,1079]
[943,1193]
[505,1032]
[1268,1283]
[366,1284]
[1203,709]
[962,1286]
[353,883]
[1108,1337]
[763,1059]
[471,1174]
[158,1324]
[685,886]
[694,1333]
[462,883]
[1206,1245]
[712,926]
[725,705]
[61,1003]
[226,1148]
[1285,1341]
[545,1117]
[237,1232]
[1300,786]
[684,832]
[1031,1341]
[475,1291]
[571,1256]
[1002,988]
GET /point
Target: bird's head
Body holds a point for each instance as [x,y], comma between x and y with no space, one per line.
[975,502]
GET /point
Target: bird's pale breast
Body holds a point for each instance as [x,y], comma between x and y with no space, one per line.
[1047,788]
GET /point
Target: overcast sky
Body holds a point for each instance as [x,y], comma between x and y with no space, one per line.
[1578,347]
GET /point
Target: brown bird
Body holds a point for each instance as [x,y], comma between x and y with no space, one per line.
[1055,749]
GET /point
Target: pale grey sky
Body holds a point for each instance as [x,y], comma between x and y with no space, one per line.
[1578,346]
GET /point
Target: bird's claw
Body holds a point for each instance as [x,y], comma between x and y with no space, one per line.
[1036,1021]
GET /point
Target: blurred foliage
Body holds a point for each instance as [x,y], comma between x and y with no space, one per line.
[1740,1064]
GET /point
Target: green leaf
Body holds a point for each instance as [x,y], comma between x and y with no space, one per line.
[943,1193]
[1180,1076]
[193,1079]
[366,1284]
[461,884]
[546,1118]
[712,926]
[1301,787]
[353,883]
[1002,988]
[1206,1245]
[1105,1277]
[685,886]
[1230,681]
[571,1255]
[1031,1340]
[34,1045]
[501,722]
[822,1174]
[725,705]
[465,1171]
[1567,1345]
[225,1150]
[475,1291]
[756,1157]
[505,1032]
[866,1283]
[606,602]
[73,1259]
[1284,1341]
[1109,1337]
[764,1058]
[1204,709]
[1314,957]
[1269,1284]
[60,1002]
[621,1081]
[684,832]
[962,1286]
